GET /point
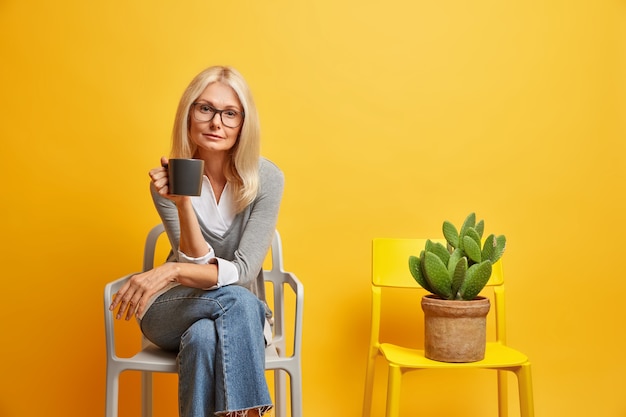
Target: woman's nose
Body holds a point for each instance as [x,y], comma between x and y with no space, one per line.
[214,120]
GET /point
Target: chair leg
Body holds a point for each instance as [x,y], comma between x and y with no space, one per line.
[369,384]
[280,393]
[146,394]
[296,394]
[526,401]
[503,394]
[393,391]
[112,390]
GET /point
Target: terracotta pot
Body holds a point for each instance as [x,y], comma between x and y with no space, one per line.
[455,331]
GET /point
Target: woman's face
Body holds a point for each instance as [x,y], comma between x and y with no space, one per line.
[214,135]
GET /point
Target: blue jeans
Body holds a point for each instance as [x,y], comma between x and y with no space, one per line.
[221,349]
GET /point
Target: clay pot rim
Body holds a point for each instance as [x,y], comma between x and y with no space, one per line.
[435,305]
[437,297]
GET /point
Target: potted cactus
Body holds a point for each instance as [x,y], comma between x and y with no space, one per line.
[455,274]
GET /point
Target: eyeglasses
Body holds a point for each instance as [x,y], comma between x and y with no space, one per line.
[204,112]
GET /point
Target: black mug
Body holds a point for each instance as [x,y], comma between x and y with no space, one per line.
[185,176]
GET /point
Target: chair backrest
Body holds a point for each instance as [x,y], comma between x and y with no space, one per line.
[390,269]
[390,263]
[156,231]
[150,246]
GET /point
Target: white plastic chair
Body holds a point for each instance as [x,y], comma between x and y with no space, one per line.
[152,359]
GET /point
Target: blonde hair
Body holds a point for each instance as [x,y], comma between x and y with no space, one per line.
[242,171]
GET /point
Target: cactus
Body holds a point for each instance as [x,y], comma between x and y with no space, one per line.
[460,270]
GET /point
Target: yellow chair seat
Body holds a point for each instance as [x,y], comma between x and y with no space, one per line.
[496,356]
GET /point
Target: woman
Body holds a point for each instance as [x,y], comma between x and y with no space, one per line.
[207,301]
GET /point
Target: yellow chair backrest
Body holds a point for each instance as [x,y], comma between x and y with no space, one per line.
[390,263]
[390,269]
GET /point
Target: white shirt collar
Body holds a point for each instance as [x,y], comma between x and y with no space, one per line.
[217,216]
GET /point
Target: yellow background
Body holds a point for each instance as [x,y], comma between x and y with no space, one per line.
[387,117]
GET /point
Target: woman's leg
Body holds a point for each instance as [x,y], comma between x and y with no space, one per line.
[227,349]
[196,369]
[241,351]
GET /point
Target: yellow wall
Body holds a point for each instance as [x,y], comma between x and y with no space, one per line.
[387,117]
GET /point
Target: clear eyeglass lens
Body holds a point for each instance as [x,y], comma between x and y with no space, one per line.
[230,118]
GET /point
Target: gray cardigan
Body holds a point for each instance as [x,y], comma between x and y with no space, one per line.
[249,237]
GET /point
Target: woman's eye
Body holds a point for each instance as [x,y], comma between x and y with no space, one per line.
[230,113]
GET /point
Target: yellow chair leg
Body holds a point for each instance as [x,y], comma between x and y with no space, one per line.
[393,391]
[524,379]
[369,385]
[503,394]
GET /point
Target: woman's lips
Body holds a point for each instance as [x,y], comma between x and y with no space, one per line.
[212,136]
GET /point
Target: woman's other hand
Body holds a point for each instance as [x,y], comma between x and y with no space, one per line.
[132,298]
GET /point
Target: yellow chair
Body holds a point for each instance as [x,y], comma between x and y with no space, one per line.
[390,270]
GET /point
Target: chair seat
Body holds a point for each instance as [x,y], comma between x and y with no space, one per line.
[153,358]
[496,356]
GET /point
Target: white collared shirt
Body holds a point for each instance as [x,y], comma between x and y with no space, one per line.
[218,216]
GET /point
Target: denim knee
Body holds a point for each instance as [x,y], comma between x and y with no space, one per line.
[200,334]
[247,307]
